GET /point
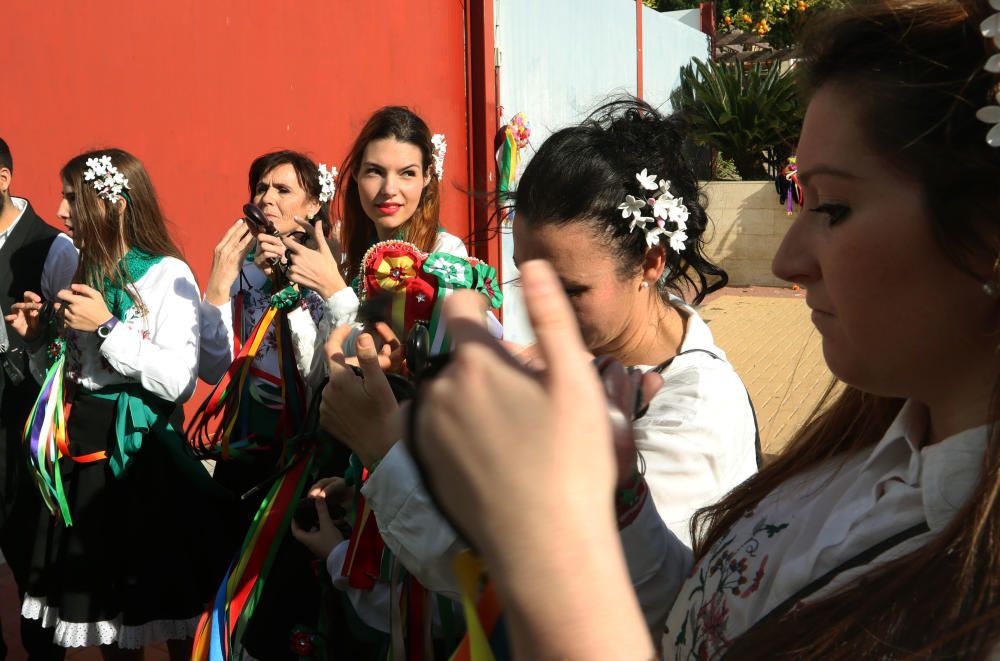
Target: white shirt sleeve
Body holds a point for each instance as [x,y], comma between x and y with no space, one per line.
[304,335]
[426,544]
[450,244]
[372,606]
[411,526]
[164,360]
[216,352]
[658,564]
[59,268]
[696,440]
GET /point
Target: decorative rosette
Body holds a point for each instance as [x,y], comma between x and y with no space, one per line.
[449,269]
[414,284]
[486,283]
[303,642]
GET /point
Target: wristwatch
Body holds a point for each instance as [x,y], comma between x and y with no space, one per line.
[105,329]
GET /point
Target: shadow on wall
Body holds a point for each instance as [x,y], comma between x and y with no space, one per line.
[747,226]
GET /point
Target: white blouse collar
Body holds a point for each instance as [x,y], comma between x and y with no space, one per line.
[946,471]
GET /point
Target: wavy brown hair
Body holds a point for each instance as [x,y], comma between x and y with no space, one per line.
[356,228]
[101,229]
[916,68]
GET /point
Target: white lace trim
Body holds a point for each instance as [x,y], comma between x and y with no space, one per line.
[106,632]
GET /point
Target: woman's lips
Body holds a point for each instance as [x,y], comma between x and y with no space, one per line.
[389,208]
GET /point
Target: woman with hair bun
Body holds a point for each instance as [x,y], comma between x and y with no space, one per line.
[614,206]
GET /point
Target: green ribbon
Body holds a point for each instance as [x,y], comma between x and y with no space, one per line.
[135,419]
[286,298]
[135,264]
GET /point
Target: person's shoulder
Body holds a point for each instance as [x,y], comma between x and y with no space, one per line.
[451,244]
[173,267]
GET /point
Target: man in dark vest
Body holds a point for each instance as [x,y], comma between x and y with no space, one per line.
[33,257]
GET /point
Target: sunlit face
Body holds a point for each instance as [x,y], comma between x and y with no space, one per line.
[897,317]
[604,302]
[281,197]
[391,180]
[65,210]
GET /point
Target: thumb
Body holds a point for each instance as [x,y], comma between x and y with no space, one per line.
[375,382]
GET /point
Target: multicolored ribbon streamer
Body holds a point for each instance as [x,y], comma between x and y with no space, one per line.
[515,138]
[485,637]
[223,626]
[45,436]
[229,400]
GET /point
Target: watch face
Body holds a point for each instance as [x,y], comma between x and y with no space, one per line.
[103,331]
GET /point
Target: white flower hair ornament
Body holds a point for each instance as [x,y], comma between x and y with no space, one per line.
[991,114]
[327,179]
[664,208]
[105,178]
[440,148]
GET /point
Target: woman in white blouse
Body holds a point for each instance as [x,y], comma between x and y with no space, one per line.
[135,559]
[697,440]
[389,188]
[286,186]
[874,534]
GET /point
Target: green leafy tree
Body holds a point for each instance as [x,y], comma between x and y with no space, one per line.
[750,115]
[778,21]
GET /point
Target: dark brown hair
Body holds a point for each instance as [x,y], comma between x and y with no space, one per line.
[356,228]
[100,228]
[306,173]
[916,69]
[582,173]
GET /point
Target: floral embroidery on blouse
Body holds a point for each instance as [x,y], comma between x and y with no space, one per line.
[730,571]
[256,301]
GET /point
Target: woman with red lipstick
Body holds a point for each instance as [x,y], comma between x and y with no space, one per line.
[390,189]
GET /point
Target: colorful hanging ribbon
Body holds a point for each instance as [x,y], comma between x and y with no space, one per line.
[229,400]
[223,626]
[45,436]
[485,637]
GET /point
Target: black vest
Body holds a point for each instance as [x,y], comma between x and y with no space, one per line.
[21,261]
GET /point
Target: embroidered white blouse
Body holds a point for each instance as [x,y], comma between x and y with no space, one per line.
[158,350]
[217,329]
[697,442]
[816,522]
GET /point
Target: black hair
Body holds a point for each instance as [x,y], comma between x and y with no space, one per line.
[6,160]
[582,173]
[306,172]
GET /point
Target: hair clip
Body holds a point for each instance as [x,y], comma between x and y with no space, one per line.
[665,209]
[105,178]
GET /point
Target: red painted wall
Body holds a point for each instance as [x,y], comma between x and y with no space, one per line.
[198,88]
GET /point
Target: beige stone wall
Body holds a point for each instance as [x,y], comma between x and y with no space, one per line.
[747,225]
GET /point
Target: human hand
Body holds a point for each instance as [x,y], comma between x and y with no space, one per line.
[487,425]
[25,317]
[84,308]
[543,441]
[358,410]
[322,538]
[390,352]
[335,489]
[227,260]
[316,269]
[270,251]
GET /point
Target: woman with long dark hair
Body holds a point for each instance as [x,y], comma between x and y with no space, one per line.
[874,535]
[126,558]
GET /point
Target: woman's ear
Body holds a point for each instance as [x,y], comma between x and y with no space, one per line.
[654,263]
[312,208]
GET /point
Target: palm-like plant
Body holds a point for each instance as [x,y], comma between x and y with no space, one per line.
[751,115]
